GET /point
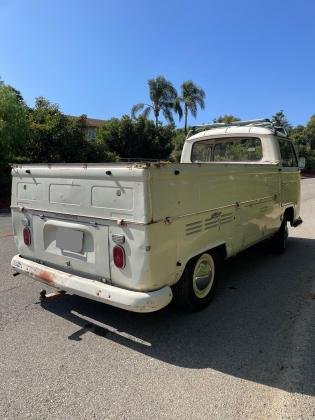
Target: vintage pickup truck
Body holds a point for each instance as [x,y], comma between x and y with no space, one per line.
[137,235]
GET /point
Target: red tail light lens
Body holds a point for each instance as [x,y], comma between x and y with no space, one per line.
[119,256]
[27,236]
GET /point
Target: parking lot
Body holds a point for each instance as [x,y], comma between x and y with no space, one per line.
[250,354]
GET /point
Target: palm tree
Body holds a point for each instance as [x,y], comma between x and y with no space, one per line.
[163,96]
[191,97]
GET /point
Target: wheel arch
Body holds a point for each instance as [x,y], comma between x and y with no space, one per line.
[220,248]
[187,292]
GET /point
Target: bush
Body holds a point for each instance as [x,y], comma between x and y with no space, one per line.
[137,139]
[310,164]
[177,145]
[309,155]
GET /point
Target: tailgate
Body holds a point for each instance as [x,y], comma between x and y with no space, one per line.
[68,208]
[95,191]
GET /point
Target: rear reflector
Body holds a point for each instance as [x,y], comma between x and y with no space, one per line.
[27,236]
[119,256]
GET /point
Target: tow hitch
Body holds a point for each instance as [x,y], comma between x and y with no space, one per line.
[297,222]
[53,295]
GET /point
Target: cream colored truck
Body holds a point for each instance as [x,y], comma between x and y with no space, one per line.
[137,235]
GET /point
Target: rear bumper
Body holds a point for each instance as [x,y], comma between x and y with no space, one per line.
[92,289]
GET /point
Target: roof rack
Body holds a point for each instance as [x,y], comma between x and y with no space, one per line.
[261,122]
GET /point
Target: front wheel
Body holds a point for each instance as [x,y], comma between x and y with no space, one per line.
[197,285]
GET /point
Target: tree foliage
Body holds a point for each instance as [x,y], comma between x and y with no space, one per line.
[304,139]
[310,131]
[178,141]
[138,138]
[227,119]
[54,137]
[13,122]
[298,135]
[191,97]
[13,132]
[162,95]
[280,120]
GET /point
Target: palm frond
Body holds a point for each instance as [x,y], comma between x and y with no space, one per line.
[178,108]
[193,109]
[201,102]
[146,112]
[168,115]
[135,109]
[161,91]
[193,96]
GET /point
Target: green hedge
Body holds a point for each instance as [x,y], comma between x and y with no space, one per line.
[310,164]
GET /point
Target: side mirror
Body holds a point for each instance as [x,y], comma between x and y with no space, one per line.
[302,162]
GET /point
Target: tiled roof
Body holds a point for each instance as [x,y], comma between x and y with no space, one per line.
[92,122]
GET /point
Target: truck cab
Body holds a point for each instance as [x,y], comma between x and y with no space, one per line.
[253,142]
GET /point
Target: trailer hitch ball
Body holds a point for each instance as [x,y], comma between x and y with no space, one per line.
[42,294]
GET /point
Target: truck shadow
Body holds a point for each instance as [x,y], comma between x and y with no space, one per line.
[251,330]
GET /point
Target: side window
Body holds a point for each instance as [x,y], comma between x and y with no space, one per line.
[201,152]
[238,150]
[288,157]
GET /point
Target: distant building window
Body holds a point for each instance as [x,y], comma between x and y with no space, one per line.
[91,133]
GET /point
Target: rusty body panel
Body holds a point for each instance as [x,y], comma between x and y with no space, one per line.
[46,277]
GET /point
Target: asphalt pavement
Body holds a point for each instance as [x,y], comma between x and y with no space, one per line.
[249,355]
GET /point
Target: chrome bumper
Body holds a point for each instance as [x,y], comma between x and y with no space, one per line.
[92,289]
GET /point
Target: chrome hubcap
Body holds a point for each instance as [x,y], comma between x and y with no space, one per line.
[203,276]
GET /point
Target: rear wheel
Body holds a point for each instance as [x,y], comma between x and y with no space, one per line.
[197,285]
[280,238]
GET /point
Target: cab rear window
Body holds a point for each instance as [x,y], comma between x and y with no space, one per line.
[237,149]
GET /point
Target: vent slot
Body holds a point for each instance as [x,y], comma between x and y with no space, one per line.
[226,218]
[194,227]
[211,222]
[214,221]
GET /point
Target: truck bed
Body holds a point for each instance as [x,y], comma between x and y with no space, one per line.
[163,211]
[143,192]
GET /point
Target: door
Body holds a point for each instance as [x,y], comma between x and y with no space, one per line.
[290,174]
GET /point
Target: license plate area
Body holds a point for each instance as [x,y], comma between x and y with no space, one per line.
[69,239]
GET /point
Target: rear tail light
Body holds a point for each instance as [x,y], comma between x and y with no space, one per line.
[27,236]
[119,256]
